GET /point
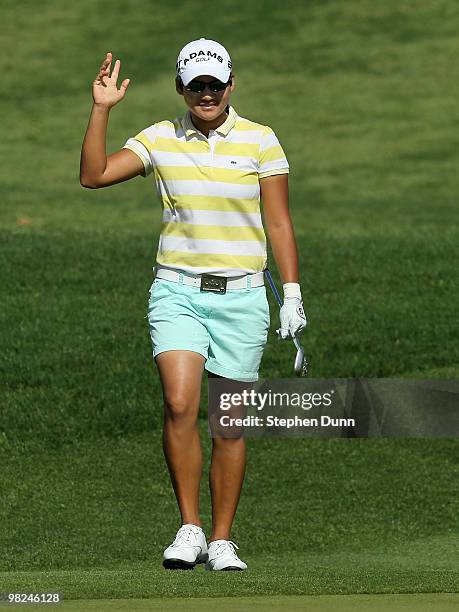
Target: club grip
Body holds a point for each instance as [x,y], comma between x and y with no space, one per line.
[273,286]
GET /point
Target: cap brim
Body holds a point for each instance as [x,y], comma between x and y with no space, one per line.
[220,73]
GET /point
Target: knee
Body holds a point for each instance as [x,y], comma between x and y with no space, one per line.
[178,408]
[230,441]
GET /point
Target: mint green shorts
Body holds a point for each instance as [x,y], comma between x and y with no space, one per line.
[230,330]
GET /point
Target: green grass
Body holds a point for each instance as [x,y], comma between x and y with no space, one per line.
[363,98]
[76,317]
[331,522]
[438,602]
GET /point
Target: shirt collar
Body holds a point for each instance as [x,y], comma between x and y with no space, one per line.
[224,129]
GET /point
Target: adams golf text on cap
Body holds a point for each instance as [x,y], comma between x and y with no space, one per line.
[203,57]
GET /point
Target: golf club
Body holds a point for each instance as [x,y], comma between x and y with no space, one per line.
[301,365]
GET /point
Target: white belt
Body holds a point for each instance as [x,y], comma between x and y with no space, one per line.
[238,282]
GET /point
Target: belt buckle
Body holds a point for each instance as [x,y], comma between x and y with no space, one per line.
[216,284]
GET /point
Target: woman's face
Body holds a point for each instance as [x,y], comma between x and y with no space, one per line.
[207,104]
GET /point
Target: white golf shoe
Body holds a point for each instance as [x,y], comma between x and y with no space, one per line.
[223,557]
[188,548]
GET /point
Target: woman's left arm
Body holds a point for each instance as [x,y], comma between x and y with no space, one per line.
[274,195]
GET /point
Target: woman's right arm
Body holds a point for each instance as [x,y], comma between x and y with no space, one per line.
[96,168]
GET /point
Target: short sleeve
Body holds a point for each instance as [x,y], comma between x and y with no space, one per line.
[142,144]
[272,158]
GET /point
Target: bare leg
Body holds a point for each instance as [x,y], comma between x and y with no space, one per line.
[225,480]
[226,477]
[181,374]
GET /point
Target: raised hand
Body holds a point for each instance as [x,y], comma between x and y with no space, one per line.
[104,88]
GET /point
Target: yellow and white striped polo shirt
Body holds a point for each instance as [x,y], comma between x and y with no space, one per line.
[210,191]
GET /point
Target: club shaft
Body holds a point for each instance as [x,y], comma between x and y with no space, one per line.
[296,341]
[279,301]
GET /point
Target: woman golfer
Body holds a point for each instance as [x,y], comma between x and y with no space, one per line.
[207,306]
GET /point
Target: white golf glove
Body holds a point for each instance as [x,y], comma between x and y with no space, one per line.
[292,317]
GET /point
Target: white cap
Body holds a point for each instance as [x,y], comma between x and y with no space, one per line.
[203,57]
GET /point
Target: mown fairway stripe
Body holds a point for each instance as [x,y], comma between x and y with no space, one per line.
[420,602]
